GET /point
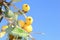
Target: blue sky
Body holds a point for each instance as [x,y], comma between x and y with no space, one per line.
[46,15]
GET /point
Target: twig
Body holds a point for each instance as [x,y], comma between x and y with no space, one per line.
[18,10]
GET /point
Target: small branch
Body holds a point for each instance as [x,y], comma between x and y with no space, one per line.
[18,10]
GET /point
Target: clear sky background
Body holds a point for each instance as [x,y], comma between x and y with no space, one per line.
[46,15]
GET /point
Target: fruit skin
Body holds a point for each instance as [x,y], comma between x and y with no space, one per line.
[28,28]
[27,24]
[25,8]
[4,28]
[21,23]
[29,20]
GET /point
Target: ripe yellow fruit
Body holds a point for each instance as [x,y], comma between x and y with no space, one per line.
[29,20]
[21,23]
[25,7]
[28,28]
[4,28]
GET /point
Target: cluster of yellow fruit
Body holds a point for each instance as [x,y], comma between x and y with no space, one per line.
[27,24]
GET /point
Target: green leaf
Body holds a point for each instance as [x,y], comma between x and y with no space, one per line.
[9,14]
[9,29]
[15,16]
[16,0]
[19,32]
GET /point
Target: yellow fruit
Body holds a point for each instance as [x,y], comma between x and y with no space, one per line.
[4,28]
[28,28]
[2,34]
[29,20]
[25,7]
[21,23]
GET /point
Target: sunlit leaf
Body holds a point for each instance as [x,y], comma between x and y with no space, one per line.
[19,32]
[16,0]
[2,34]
